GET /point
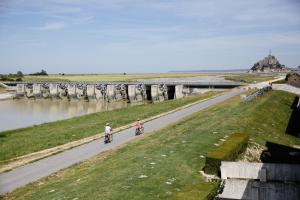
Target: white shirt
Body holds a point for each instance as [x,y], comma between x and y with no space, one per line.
[107,129]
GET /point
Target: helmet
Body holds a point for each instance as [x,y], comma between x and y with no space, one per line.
[138,119]
[107,124]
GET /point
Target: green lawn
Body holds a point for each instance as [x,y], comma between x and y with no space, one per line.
[249,78]
[170,159]
[20,142]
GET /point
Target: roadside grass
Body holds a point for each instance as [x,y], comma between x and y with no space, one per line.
[108,77]
[166,163]
[18,142]
[249,78]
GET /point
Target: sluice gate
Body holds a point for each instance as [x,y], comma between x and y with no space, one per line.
[133,92]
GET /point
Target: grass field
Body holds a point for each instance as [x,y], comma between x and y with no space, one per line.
[20,142]
[249,78]
[168,162]
[108,77]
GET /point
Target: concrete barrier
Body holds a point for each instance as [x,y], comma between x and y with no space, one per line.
[256,190]
[261,171]
[100,92]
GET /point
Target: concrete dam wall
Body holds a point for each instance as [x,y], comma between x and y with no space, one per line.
[133,92]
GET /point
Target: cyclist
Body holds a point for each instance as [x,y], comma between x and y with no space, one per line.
[107,133]
[138,126]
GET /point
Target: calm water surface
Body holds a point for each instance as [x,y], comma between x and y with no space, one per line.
[25,112]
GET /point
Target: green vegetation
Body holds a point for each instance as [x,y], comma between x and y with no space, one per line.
[42,73]
[107,77]
[23,141]
[229,151]
[249,78]
[171,158]
[12,77]
[203,190]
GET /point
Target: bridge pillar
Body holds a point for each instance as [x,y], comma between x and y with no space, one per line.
[131,93]
[110,93]
[71,88]
[45,90]
[178,91]
[20,90]
[100,92]
[154,93]
[53,89]
[90,91]
[37,90]
[28,91]
[80,91]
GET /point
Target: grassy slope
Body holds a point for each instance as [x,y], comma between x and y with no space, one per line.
[27,140]
[107,77]
[249,78]
[114,174]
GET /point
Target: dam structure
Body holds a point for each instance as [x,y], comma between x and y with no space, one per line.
[131,91]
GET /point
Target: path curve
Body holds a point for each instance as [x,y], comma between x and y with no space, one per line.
[23,175]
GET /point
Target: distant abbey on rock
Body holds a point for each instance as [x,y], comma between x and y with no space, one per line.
[268,64]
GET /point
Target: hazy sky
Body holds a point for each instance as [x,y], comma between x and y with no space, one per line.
[102,36]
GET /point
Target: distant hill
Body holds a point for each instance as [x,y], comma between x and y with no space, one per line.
[268,64]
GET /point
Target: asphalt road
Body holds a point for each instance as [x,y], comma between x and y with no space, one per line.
[23,175]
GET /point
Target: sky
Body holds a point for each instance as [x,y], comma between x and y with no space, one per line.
[136,36]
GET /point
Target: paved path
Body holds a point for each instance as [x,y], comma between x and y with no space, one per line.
[23,175]
[287,88]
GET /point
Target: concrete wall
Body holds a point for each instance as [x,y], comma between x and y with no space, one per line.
[99,95]
[262,171]
[53,89]
[256,190]
[178,91]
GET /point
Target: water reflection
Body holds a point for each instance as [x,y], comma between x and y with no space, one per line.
[23,112]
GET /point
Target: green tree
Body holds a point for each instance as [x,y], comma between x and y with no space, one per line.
[20,74]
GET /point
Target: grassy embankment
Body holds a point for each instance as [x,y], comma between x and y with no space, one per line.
[107,77]
[171,158]
[23,141]
[249,78]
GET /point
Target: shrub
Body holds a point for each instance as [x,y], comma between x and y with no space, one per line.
[228,151]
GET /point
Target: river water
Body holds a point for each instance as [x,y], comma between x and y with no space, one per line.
[21,113]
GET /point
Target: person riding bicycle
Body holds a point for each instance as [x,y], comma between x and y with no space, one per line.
[107,132]
[138,126]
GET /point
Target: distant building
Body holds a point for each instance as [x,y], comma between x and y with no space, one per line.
[293,79]
[268,64]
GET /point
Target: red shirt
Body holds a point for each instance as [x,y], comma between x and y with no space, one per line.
[138,124]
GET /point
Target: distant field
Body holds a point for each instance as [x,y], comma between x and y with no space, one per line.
[168,162]
[249,78]
[108,77]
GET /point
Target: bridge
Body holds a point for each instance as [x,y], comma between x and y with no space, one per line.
[113,91]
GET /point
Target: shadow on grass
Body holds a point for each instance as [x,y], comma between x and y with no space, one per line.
[293,127]
[277,153]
